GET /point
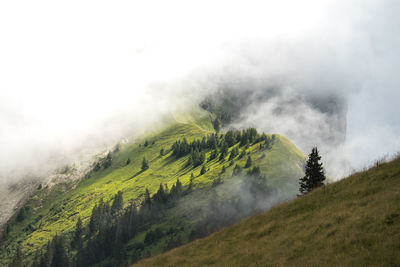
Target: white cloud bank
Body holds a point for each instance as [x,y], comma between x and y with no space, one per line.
[90,70]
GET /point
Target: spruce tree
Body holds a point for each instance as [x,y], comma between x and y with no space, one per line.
[190,187]
[60,258]
[46,257]
[17,259]
[314,173]
[147,198]
[217,125]
[224,151]
[203,170]
[36,259]
[77,241]
[248,162]
[117,203]
[223,169]
[145,164]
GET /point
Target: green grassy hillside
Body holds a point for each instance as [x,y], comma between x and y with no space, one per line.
[56,210]
[353,222]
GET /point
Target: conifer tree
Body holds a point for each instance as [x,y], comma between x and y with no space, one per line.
[234,153]
[190,187]
[314,173]
[248,162]
[223,169]
[145,164]
[60,258]
[224,151]
[147,198]
[36,259]
[77,241]
[217,125]
[237,170]
[179,185]
[203,170]
[17,259]
[242,154]
[46,257]
[94,220]
[213,154]
[117,203]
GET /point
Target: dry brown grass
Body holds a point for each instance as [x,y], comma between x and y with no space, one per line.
[354,222]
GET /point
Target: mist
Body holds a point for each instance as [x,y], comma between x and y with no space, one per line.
[77,77]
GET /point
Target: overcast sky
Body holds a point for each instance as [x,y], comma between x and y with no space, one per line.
[69,68]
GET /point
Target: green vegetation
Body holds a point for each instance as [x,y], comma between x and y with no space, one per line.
[68,211]
[353,222]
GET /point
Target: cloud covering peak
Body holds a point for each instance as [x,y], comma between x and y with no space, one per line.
[95,70]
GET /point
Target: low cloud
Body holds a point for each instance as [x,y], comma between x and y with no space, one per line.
[79,76]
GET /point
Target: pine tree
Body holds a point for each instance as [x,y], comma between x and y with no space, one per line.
[230,138]
[237,170]
[60,258]
[190,187]
[248,162]
[223,169]
[178,186]
[117,203]
[314,173]
[17,259]
[147,198]
[203,170]
[36,259]
[242,154]
[77,241]
[217,125]
[213,154]
[145,164]
[160,196]
[46,257]
[94,219]
[234,153]
[224,151]
[107,161]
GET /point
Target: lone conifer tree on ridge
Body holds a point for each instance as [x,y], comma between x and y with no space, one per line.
[314,173]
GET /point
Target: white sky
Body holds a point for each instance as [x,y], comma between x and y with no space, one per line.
[67,66]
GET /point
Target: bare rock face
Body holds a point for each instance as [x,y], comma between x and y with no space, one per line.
[14,195]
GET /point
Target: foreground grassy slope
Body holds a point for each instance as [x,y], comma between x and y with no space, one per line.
[56,210]
[354,222]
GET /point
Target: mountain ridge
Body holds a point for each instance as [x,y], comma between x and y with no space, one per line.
[55,210]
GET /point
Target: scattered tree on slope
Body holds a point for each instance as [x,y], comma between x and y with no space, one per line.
[314,173]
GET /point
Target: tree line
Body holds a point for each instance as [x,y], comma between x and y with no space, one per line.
[110,227]
[219,144]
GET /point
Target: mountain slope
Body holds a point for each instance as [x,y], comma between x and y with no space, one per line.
[56,209]
[354,222]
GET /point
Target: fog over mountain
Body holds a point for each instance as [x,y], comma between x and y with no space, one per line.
[77,77]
